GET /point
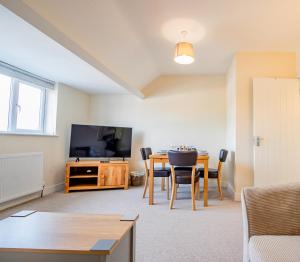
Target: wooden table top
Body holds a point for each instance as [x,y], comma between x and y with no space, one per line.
[165,156]
[44,232]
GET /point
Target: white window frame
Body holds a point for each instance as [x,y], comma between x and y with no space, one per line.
[13,108]
[18,76]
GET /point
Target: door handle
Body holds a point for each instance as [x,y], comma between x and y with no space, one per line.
[258,140]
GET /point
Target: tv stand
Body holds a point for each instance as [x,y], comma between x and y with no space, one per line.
[90,175]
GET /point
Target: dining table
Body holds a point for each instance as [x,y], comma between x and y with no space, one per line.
[163,159]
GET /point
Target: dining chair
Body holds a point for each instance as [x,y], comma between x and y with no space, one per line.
[162,172]
[183,170]
[216,173]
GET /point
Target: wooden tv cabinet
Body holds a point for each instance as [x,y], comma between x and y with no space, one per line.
[90,175]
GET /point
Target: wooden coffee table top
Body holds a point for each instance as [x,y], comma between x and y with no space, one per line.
[44,232]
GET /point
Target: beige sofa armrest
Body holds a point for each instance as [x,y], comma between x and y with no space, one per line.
[270,211]
[273,210]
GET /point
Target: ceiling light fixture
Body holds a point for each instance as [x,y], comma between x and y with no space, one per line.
[184,51]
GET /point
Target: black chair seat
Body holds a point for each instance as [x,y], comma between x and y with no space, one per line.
[212,172]
[183,175]
[161,172]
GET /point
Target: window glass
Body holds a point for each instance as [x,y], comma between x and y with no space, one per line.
[29,107]
[5,86]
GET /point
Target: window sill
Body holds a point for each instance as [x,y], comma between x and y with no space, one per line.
[26,134]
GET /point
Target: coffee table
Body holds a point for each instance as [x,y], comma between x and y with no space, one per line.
[44,236]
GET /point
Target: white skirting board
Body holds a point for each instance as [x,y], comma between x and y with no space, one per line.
[47,190]
[54,188]
[19,201]
[235,195]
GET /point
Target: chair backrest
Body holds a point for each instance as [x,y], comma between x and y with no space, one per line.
[146,152]
[183,158]
[223,155]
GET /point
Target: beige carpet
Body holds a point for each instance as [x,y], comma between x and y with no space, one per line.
[163,235]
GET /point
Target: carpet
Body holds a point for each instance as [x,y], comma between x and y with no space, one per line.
[207,234]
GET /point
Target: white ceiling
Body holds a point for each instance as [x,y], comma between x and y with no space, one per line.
[24,46]
[132,41]
[229,26]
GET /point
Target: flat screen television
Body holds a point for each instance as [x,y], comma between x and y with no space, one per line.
[100,141]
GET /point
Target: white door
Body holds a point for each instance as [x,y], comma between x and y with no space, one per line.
[276,130]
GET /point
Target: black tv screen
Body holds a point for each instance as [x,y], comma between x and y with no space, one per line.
[100,141]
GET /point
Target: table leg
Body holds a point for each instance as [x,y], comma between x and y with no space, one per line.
[205,193]
[151,182]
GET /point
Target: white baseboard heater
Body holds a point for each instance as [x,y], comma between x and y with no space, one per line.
[20,175]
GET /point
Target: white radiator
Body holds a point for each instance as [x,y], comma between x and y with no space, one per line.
[20,175]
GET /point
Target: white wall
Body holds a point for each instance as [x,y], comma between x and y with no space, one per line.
[177,110]
[73,106]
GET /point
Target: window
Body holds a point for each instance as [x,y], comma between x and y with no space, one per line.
[28,102]
[22,106]
[30,108]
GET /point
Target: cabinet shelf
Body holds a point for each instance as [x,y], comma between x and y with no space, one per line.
[83,176]
[84,187]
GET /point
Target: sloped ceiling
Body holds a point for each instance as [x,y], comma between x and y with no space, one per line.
[23,46]
[132,41]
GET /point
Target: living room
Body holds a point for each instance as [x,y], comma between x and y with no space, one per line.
[213,80]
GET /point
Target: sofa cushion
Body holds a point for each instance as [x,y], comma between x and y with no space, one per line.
[267,248]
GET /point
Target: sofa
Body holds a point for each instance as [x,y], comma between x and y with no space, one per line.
[271,223]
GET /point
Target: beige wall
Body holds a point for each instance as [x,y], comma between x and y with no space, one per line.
[231,123]
[191,110]
[73,106]
[177,110]
[247,66]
